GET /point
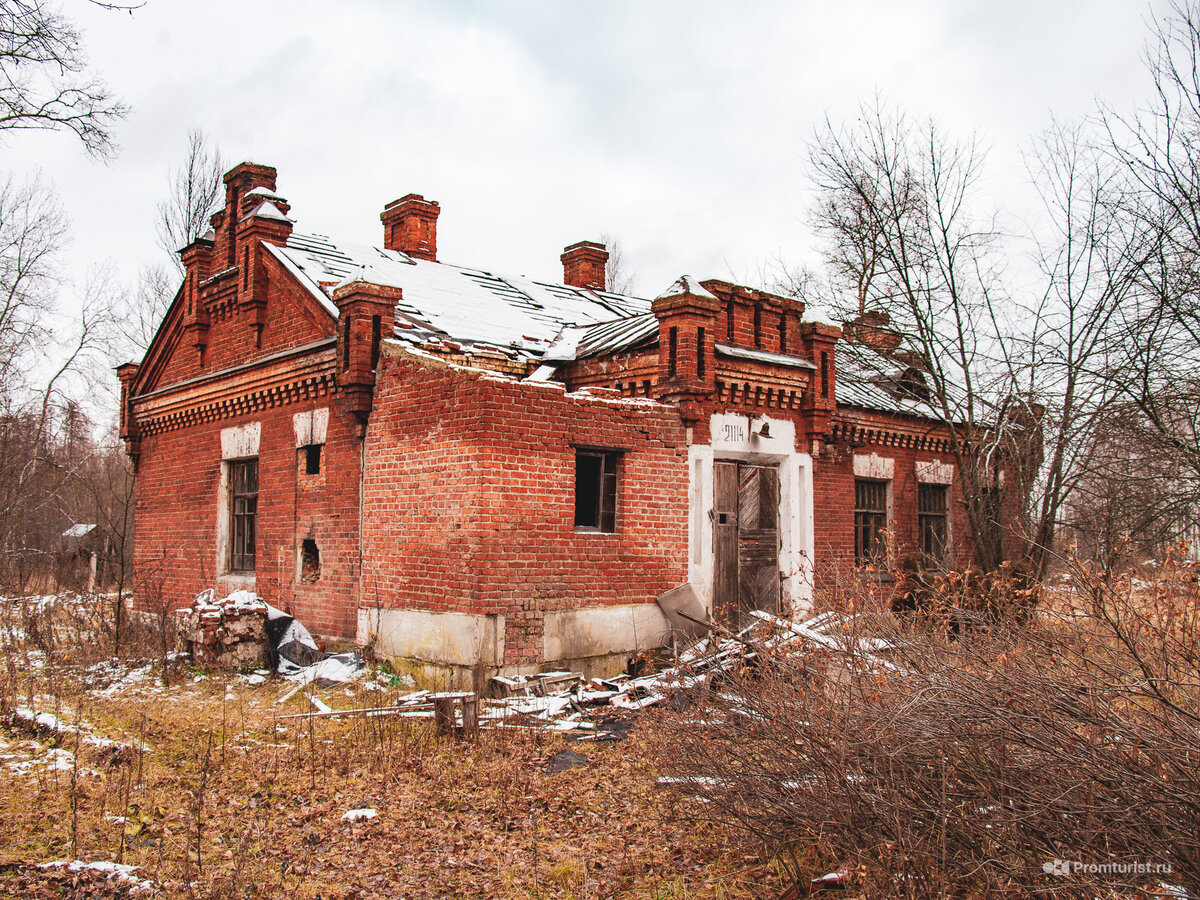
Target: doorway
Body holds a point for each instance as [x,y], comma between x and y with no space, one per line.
[745,541]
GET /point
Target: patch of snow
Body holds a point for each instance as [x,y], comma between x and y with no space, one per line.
[364,814]
[111,870]
[55,760]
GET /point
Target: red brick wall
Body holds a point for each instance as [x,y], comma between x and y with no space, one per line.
[469,499]
[293,318]
[177,495]
[833,508]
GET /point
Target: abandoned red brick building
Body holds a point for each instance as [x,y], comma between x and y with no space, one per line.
[483,469]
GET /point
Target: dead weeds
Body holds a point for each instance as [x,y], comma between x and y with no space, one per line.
[222,799]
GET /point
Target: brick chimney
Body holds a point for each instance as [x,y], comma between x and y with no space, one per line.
[410,226]
[239,181]
[584,265]
[366,317]
[873,329]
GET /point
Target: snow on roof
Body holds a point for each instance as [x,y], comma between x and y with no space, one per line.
[686,284]
[266,210]
[462,304]
[265,192]
[817,314]
[76,531]
[766,356]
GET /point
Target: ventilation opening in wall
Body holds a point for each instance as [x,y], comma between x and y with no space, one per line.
[312,459]
[310,560]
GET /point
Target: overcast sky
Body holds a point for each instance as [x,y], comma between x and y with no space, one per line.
[678,127]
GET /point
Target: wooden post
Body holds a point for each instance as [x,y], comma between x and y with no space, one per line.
[470,707]
[443,715]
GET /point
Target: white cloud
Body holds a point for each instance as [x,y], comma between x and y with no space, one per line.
[678,127]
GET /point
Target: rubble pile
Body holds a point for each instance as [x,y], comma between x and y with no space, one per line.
[595,709]
[229,633]
[565,701]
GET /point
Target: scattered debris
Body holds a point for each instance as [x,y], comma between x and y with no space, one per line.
[684,611]
[229,633]
[335,669]
[567,759]
[290,640]
[597,709]
[243,631]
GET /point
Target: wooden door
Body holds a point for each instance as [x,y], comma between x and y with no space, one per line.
[746,541]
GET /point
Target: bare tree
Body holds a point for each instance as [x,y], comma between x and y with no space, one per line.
[32,229]
[44,79]
[619,277]
[194,194]
[898,207]
[1154,347]
[1087,257]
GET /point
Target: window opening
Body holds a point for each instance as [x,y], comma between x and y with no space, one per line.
[596,491]
[672,351]
[312,459]
[824,373]
[700,353]
[783,332]
[345,343]
[758,326]
[244,513]
[931,519]
[870,521]
[310,560]
[375,335]
[729,322]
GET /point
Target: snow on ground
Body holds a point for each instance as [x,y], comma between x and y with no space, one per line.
[111,677]
[114,871]
[30,758]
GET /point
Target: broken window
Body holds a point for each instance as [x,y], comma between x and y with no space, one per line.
[310,560]
[931,519]
[312,459]
[870,521]
[243,477]
[596,490]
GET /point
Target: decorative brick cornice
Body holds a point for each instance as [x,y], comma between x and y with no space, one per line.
[243,390]
[312,388]
[882,436]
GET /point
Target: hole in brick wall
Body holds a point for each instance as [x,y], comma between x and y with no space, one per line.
[310,560]
[312,459]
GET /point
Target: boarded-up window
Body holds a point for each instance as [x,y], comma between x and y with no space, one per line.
[870,521]
[596,490]
[243,477]
[931,519]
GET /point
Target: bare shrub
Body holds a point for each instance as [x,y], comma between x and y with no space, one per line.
[974,759]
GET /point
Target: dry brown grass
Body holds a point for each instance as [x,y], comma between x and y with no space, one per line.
[231,802]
